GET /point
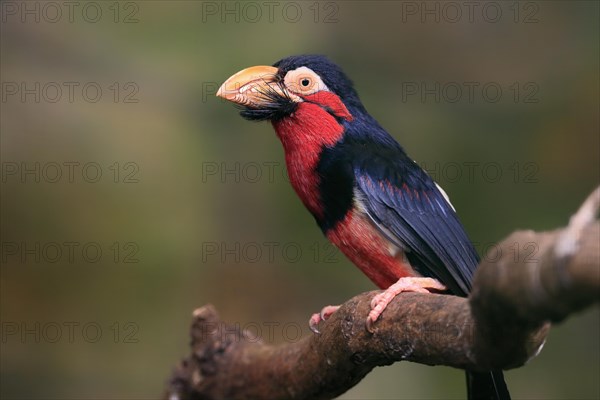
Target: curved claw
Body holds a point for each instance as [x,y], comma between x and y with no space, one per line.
[316,319]
[313,323]
[327,311]
[323,315]
[373,316]
[369,325]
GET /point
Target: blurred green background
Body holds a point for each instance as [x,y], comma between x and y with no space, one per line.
[100,273]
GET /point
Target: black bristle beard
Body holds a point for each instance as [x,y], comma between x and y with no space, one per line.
[276,107]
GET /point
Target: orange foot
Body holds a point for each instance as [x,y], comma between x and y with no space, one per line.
[325,313]
[406,284]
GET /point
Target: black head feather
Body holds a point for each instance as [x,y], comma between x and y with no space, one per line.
[280,106]
[331,74]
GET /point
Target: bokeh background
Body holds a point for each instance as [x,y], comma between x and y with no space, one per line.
[193,206]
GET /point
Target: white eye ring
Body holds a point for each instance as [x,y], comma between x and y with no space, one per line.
[304,81]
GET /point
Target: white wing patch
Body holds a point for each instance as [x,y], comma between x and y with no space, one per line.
[445,196]
[359,203]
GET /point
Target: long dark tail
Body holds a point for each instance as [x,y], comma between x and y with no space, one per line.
[486,386]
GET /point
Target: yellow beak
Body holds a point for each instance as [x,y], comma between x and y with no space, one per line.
[248,87]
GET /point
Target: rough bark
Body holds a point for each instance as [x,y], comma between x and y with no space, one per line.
[531,280]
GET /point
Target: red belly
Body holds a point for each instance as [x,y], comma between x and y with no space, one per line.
[360,241]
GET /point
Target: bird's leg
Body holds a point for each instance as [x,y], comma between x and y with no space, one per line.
[316,318]
[406,284]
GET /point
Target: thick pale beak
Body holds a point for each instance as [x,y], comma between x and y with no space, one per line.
[248,87]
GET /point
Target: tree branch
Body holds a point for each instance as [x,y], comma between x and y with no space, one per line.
[536,278]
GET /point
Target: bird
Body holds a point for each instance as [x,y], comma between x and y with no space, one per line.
[368,197]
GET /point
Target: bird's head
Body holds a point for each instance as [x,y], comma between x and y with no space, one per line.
[278,91]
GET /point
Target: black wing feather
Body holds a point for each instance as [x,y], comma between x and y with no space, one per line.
[407,207]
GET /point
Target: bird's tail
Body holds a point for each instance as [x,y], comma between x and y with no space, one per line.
[486,386]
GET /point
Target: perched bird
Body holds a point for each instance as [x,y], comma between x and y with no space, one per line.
[370,199]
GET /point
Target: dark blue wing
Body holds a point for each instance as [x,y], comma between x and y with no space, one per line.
[411,211]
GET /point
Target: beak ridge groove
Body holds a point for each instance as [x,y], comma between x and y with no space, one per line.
[245,87]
